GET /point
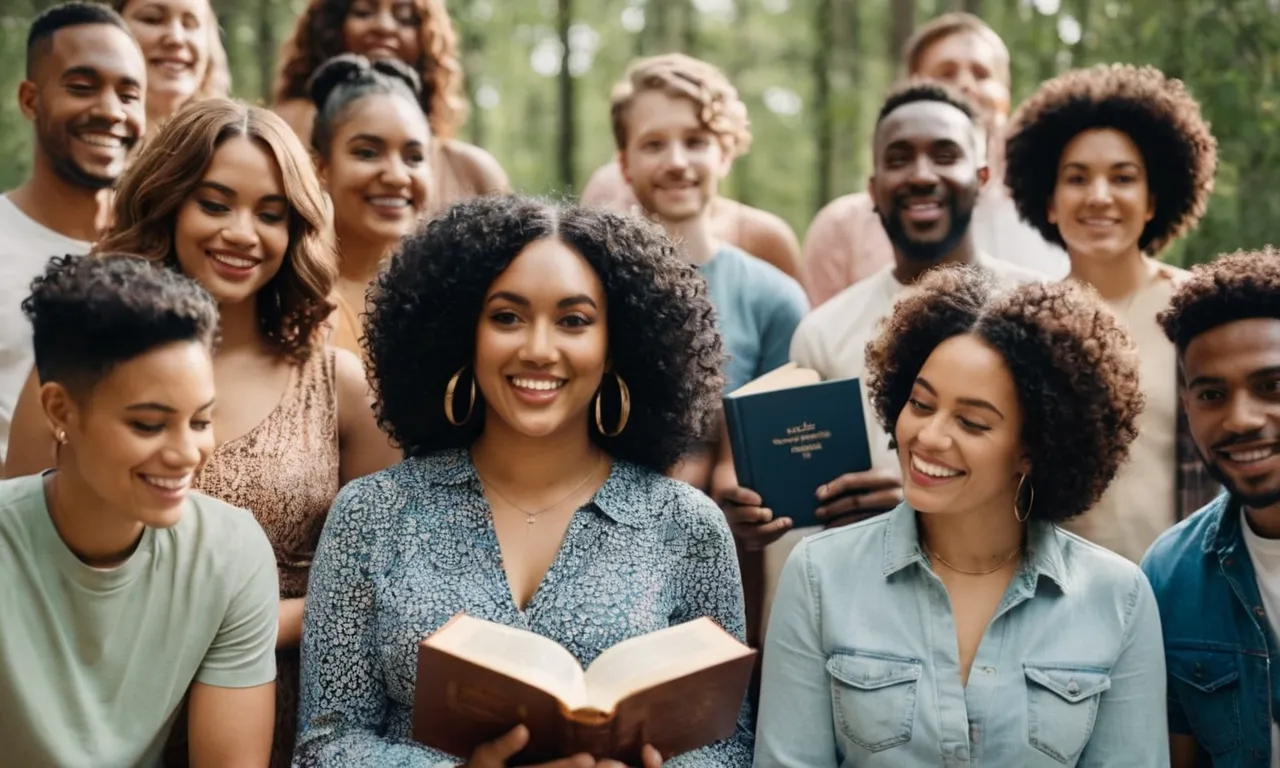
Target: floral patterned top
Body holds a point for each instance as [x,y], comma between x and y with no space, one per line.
[405,549]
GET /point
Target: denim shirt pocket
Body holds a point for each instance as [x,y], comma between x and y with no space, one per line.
[1062,703]
[1207,684]
[873,698]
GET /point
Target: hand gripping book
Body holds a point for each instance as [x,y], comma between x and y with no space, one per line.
[679,689]
[791,432]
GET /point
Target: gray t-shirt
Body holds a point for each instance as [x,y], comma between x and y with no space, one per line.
[94,663]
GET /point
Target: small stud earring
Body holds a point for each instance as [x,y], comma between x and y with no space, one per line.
[61,436]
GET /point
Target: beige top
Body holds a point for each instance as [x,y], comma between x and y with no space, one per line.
[1142,501]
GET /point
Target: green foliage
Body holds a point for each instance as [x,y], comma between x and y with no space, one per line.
[1228,51]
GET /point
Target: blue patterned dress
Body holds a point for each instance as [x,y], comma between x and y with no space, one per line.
[405,549]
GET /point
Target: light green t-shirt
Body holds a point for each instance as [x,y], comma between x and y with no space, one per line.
[94,663]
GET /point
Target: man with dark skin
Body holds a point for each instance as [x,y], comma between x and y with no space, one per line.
[1216,575]
[84,95]
[929,169]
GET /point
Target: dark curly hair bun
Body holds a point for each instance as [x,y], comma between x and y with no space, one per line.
[1073,365]
[353,69]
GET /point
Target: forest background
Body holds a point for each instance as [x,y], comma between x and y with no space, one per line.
[812,73]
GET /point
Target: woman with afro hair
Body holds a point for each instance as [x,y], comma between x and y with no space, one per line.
[965,623]
[420,34]
[1114,163]
[542,368]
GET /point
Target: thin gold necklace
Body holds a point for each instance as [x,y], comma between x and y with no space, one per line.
[531,517]
[967,572]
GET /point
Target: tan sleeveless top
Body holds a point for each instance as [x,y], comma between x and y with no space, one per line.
[285,470]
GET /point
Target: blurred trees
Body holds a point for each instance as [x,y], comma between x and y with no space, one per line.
[812,73]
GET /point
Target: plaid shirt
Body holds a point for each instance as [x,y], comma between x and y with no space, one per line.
[1195,487]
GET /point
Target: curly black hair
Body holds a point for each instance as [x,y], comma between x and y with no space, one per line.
[89,315]
[1155,111]
[1074,367]
[1239,286]
[423,310]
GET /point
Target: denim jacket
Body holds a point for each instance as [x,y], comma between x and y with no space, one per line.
[861,666]
[1217,637]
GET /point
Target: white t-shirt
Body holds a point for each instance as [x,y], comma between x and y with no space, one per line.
[832,340]
[1265,554]
[25,249]
[998,231]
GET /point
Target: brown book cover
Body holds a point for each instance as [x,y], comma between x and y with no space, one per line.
[679,689]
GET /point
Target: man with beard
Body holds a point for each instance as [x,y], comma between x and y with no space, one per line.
[84,94]
[678,124]
[928,171]
[1216,574]
[845,241]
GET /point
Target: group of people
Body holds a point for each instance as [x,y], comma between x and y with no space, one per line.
[284,390]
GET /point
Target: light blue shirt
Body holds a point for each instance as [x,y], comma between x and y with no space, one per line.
[861,666]
[758,307]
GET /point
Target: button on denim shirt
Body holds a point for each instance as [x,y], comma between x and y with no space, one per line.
[1221,654]
[861,665]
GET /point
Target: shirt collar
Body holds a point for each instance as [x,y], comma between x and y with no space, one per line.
[1043,556]
[616,498]
[1223,531]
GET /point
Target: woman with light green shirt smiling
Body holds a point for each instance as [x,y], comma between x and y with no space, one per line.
[965,628]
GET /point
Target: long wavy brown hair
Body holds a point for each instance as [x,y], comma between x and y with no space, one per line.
[294,304]
[217,76]
[317,37]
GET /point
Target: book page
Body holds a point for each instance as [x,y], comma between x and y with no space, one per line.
[525,656]
[649,660]
[786,377]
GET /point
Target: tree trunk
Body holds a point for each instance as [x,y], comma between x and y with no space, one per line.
[567,112]
[472,36]
[823,32]
[902,20]
[266,51]
[690,28]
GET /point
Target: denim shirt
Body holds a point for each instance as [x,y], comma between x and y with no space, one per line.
[406,548]
[862,668]
[1218,641]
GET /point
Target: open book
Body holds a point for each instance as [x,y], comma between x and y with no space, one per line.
[791,432]
[678,689]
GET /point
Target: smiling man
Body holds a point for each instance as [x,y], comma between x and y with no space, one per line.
[84,96]
[678,124]
[1216,574]
[929,168]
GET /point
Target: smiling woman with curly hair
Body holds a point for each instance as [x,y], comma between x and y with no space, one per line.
[541,366]
[1011,409]
[1114,163]
[418,33]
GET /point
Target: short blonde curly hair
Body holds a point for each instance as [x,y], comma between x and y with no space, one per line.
[1073,365]
[720,109]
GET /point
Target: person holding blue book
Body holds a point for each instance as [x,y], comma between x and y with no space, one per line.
[965,627]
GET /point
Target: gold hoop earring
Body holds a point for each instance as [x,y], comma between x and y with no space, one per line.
[1030,504]
[624,409]
[448,399]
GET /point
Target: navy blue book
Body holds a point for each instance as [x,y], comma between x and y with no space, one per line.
[790,432]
